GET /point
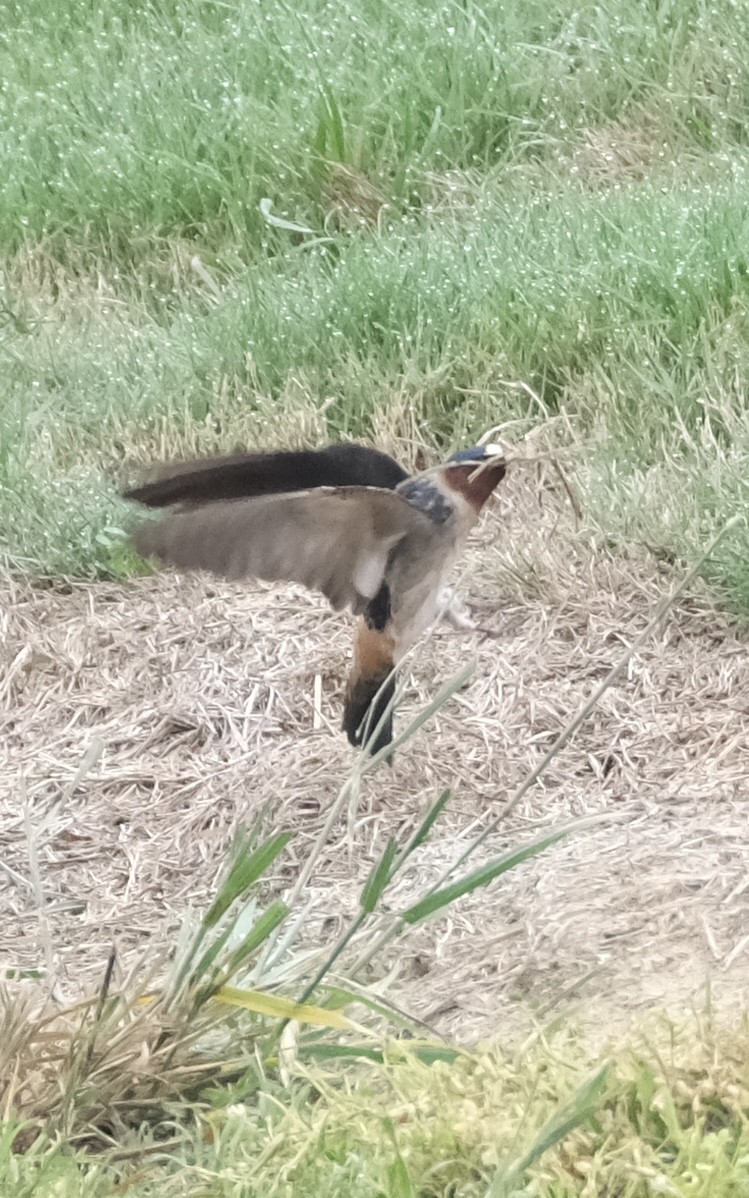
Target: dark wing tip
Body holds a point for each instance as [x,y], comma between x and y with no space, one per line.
[149,494]
[247,475]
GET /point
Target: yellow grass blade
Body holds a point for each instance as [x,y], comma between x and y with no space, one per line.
[281,1008]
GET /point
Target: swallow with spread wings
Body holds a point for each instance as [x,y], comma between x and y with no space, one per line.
[347,521]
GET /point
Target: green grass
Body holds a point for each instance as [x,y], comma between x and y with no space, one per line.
[627,309]
[670,1118]
[546,195]
[506,193]
[131,122]
[185,1088]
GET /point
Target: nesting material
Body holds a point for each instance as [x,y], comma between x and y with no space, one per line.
[140,724]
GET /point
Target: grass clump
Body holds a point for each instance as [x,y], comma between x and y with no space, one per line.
[153,1069]
[667,1116]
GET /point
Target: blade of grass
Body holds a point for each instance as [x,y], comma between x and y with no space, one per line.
[368,764]
[346,993]
[258,934]
[246,869]
[378,879]
[266,924]
[278,1007]
[578,1110]
[437,899]
[425,827]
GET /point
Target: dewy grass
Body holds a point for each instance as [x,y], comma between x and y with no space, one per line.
[123,124]
[479,220]
[627,309]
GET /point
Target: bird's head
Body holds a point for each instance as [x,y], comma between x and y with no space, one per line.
[475,472]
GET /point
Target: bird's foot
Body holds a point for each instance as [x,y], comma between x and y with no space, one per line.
[455,613]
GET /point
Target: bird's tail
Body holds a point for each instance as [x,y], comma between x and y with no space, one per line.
[370,688]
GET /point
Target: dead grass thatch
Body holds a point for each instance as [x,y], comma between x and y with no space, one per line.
[142,723]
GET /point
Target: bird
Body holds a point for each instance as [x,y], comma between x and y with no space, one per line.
[347,521]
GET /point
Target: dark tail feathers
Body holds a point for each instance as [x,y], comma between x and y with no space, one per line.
[363,706]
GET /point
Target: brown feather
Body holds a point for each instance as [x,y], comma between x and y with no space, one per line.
[332,540]
[370,687]
[475,482]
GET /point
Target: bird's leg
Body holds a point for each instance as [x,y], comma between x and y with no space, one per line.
[455,613]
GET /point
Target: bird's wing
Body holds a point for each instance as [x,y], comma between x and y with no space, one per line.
[334,540]
[243,475]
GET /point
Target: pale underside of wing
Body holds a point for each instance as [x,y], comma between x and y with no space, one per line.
[333,540]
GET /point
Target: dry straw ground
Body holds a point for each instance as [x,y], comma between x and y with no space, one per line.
[210,702]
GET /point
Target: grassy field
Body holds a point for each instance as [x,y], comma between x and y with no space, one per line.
[241,223]
[514,214]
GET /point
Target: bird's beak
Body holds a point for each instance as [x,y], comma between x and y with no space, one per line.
[495,457]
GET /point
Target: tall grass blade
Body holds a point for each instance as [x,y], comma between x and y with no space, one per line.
[248,866]
[335,123]
[487,873]
[208,984]
[578,1110]
[347,993]
[368,764]
[265,926]
[425,827]
[378,878]
[399,1181]
[211,954]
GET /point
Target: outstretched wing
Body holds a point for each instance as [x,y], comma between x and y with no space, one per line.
[243,475]
[334,540]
